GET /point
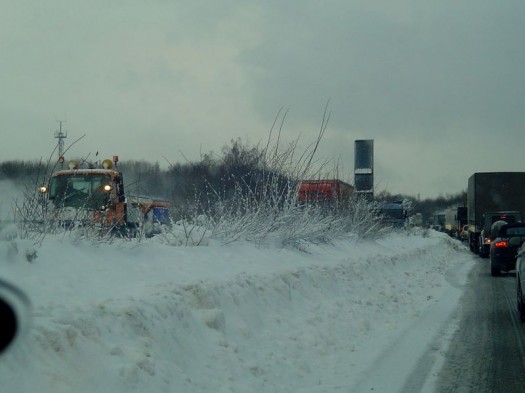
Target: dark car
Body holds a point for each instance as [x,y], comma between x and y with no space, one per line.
[486,236]
[507,240]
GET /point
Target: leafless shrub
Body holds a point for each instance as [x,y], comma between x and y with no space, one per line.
[268,209]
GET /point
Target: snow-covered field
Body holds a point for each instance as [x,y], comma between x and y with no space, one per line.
[353,316]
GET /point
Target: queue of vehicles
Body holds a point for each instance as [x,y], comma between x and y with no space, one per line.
[495,203]
[495,210]
[492,196]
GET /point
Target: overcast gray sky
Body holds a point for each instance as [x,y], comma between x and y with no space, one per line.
[439,85]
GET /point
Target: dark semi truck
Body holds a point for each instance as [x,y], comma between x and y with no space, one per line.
[490,196]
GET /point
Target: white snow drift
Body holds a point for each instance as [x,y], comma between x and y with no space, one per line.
[147,317]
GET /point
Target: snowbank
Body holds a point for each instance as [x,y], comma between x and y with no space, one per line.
[148,317]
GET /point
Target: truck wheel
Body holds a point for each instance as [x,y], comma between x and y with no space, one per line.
[482,253]
[475,248]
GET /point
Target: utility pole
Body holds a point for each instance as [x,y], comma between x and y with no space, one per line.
[61,135]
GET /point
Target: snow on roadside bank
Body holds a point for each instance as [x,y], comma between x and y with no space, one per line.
[236,318]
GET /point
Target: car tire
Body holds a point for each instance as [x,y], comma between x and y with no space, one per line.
[521,306]
[495,271]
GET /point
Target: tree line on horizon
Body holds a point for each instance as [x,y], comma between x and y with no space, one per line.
[210,178]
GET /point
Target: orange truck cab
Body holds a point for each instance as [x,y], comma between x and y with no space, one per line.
[85,196]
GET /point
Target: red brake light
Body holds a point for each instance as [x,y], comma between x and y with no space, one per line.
[501,244]
[487,240]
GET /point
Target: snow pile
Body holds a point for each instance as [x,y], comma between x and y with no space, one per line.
[147,317]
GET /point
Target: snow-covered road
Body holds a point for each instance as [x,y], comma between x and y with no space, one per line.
[487,352]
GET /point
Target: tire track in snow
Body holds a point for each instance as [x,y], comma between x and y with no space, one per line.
[402,358]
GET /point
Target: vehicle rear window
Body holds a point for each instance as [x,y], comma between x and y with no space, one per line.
[509,219]
[516,231]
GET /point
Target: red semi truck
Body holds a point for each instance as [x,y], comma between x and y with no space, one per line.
[331,193]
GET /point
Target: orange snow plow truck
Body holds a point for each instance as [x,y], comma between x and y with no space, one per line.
[87,196]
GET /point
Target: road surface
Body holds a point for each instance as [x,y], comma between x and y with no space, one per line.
[487,352]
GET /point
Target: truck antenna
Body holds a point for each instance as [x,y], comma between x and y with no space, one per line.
[61,135]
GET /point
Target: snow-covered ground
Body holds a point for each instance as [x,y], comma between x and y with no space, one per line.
[353,316]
